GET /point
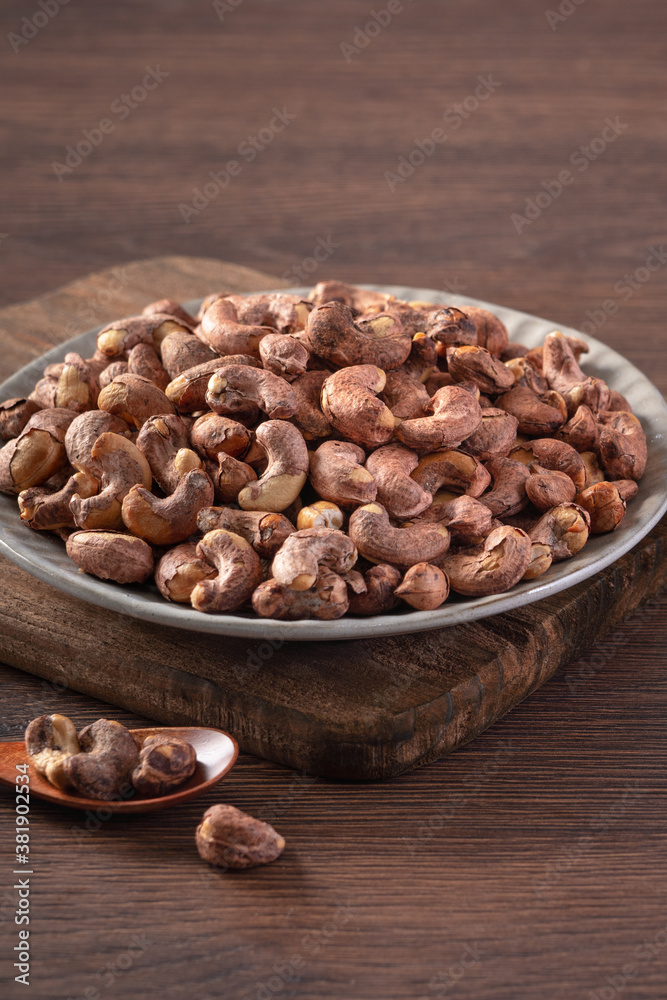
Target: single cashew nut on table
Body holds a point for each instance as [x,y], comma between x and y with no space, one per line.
[229,838]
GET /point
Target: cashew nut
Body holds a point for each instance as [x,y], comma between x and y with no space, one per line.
[37,453]
[564,529]
[180,570]
[378,340]
[491,568]
[47,511]
[456,414]
[82,434]
[379,542]
[404,496]
[381,582]
[337,474]
[164,442]
[535,417]
[321,514]
[188,390]
[134,399]
[286,472]
[350,403]
[111,555]
[104,766]
[452,469]
[495,435]
[477,365]
[212,434]
[309,417]
[546,488]
[222,331]
[404,394]
[265,530]
[165,762]
[229,476]
[304,553]
[424,587]
[622,445]
[238,567]
[122,466]
[14,415]
[605,505]
[234,386]
[49,741]
[173,519]
[283,355]
[179,352]
[143,360]
[326,600]
[491,332]
[508,495]
[555,455]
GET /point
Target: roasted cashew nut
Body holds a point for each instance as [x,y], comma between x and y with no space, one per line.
[303,554]
[581,431]
[456,414]
[239,571]
[377,541]
[495,436]
[546,488]
[103,768]
[424,587]
[45,511]
[403,495]
[378,340]
[338,475]
[179,571]
[265,530]
[605,506]
[179,352]
[309,417]
[82,434]
[225,334]
[165,443]
[230,476]
[231,389]
[50,740]
[562,372]
[14,415]
[405,395]
[508,495]
[283,355]
[491,568]
[555,455]
[326,600]
[143,360]
[172,519]
[564,529]
[286,472]
[379,596]
[449,327]
[111,555]
[535,417]
[134,399]
[622,445]
[122,466]
[491,331]
[165,762]
[453,470]
[468,520]
[117,339]
[350,403]
[37,453]
[188,390]
[321,514]
[77,387]
[479,366]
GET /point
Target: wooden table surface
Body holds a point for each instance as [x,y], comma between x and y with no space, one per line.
[532,862]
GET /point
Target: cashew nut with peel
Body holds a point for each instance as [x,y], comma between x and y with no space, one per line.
[303,554]
[50,740]
[622,445]
[450,327]
[143,360]
[491,331]
[239,572]
[212,434]
[188,390]
[405,395]
[171,308]
[605,505]
[338,475]
[164,441]
[552,454]
[173,519]
[84,431]
[374,339]
[326,600]
[379,542]
[230,476]
[283,355]
[134,399]
[546,488]
[117,339]
[468,520]
[424,587]
[540,561]
[165,762]
[111,555]
[77,387]
[564,529]
[535,416]
[477,365]
[221,329]
[14,415]
[491,568]
[286,472]
[495,436]
[47,511]
[122,466]
[403,495]
[104,766]
[581,431]
[180,352]
[278,310]
[309,417]
[180,570]
[350,403]
[508,495]
[234,386]
[562,372]
[455,415]
[265,530]
[379,596]
[37,453]
[453,470]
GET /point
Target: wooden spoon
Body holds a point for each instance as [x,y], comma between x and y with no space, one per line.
[216,755]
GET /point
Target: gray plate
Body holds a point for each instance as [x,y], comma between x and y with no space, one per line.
[44,556]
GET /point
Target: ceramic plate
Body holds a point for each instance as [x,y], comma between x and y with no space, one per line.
[44,556]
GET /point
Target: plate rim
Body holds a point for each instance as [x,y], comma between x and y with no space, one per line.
[116,598]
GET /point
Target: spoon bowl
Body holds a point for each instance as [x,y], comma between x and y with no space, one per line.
[216,755]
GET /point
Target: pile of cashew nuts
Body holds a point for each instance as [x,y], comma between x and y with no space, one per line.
[305,458]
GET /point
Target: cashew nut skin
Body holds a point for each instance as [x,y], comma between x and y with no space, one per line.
[424,587]
[491,332]
[495,436]
[468,520]
[179,352]
[626,487]
[265,530]
[378,542]
[212,434]
[309,417]
[134,399]
[564,529]
[122,466]
[49,740]
[84,431]
[327,599]
[456,414]
[300,559]
[143,360]
[239,572]
[188,390]
[622,445]
[350,404]
[221,330]
[404,394]
[46,511]
[546,488]
[561,370]
[111,555]
[108,374]
[179,571]
[337,474]
[378,340]
[104,766]
[475,364]
[173,519]
[555,455]
[381,582]
[231,389]
[581,431]
[508,495]
[454,470]
[230,476]
[403,496]
[605,505]
[165,762]
[491,568]
[450,327]
[37,453]
[286,473]
[283,355]
[165,443]
[14,415]
[534,416]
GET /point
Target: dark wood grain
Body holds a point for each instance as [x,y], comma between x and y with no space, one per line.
[483,847]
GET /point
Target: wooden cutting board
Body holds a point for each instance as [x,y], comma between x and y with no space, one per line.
[363,709]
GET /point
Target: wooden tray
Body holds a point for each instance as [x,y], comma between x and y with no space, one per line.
[362,709]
